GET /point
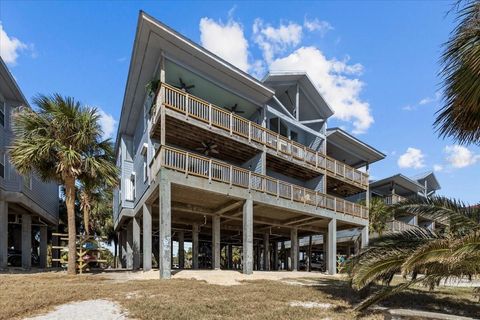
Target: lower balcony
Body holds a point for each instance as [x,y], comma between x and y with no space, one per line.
[218,171]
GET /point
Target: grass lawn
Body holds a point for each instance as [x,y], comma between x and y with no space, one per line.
[22,295]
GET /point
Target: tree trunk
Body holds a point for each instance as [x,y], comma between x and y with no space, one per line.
[72,232]
[86,219]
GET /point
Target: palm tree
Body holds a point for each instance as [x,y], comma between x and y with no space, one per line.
[378,215]
[61,142]
[420,255]
[459,117]
[89,195]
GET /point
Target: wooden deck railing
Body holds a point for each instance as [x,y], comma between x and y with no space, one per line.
[393,199]
[397,225]
[212,115]
[214,170]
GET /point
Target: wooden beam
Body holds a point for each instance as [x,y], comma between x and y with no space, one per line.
[312,121]
[228,207]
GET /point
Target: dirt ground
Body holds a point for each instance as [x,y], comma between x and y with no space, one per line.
[313,297]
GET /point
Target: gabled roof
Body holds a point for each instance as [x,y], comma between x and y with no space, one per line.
[400,180]
[430,178]
[307,85]
[8,85]
[151,38]
[362,151]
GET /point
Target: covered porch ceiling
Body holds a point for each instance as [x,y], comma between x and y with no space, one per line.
[209,91]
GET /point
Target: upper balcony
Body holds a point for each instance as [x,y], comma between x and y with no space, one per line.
[209,115]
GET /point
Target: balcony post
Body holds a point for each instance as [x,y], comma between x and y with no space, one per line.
[210,114]
[186,164]
[248,236]
[291,192]
[187,105]
[332,247]
[249,180]
[278,189]
[210,171]
[231,123]
[231,175]
[364,237]
[249,131]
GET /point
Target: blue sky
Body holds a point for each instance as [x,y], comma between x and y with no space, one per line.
[375,62]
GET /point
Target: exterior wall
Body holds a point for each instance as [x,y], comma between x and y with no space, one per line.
[46,195]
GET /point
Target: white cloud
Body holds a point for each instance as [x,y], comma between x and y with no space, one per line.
[276,40]
[334,80]
[107,123]
[10,47]
[317,25]
[412,158]
[226,40]
[460,157]
[422,102]
[437,167]
[428,100]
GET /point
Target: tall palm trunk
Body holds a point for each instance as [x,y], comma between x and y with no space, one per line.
[72,233]
[86,219]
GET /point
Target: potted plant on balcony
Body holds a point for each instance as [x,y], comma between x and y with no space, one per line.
[152,88]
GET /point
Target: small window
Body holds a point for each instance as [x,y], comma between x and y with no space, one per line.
[2,114]
[2,164]
[145,169]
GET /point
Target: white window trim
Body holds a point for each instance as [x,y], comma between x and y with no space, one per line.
[130,189]
[145,169]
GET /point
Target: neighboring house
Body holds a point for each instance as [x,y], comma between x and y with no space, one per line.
[28,206]
[397,188]
[222,160]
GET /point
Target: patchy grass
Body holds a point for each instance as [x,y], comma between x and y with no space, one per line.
[23,295]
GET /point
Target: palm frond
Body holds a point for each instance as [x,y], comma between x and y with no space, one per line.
[459,116]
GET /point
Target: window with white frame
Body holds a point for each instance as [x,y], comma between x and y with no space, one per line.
[145,169]
[2,164]
[130,188]
[2,113]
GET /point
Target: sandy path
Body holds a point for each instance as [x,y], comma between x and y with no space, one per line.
[90,309]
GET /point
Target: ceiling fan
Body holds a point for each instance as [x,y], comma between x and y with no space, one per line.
[208,147]
[234,109]
[183,86]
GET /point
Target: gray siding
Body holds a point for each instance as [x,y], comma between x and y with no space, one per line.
[43,194]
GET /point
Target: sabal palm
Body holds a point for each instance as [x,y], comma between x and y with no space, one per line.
[378,214]
[62,141]
[459,116]
[421,255]
[94,194]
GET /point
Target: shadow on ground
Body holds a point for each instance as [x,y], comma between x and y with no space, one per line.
[456,301]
